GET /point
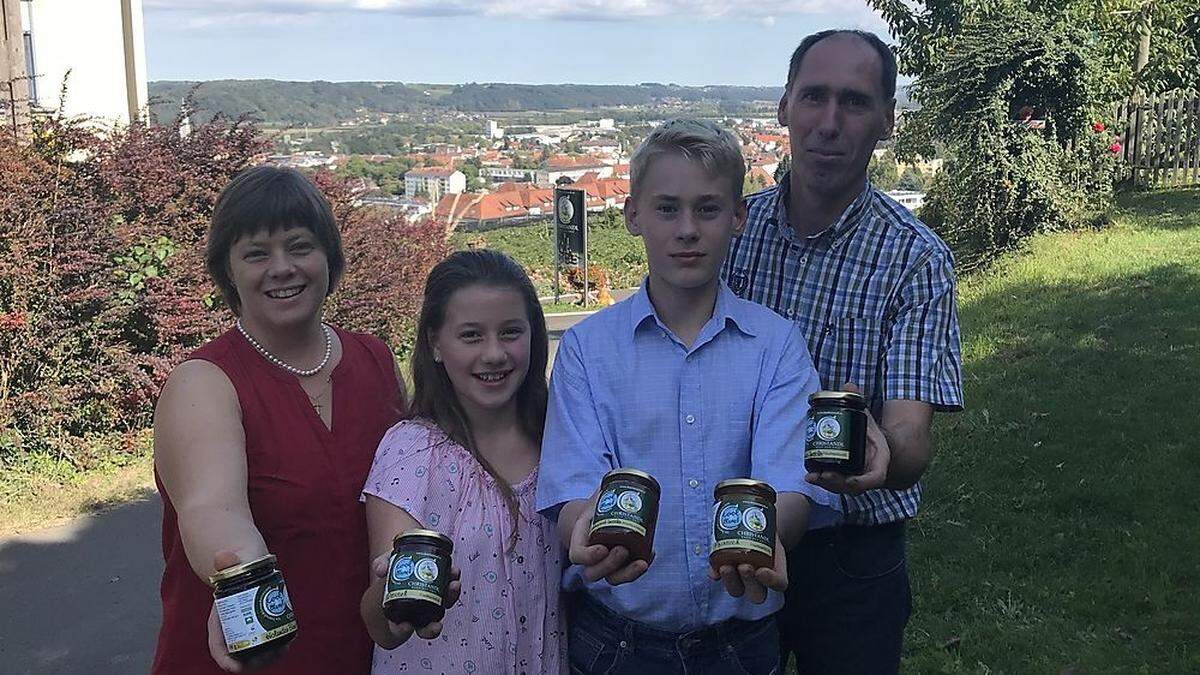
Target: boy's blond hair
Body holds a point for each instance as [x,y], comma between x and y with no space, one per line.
[698,140]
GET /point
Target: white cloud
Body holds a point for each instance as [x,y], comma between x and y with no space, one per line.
[766,11]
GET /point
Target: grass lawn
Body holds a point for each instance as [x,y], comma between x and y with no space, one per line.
[613,249]
[40,491]
[1059,526]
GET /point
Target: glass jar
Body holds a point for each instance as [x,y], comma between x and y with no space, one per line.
[836,436]
[626,513]
[743,524]
[418,576]
[254,608]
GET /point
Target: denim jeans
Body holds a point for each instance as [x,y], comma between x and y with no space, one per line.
[602,642]
[847,602]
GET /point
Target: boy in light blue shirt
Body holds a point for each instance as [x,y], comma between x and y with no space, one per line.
[693,385]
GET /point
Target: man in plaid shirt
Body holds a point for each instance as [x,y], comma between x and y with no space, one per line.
[872,288]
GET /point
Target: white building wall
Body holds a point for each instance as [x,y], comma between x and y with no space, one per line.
[87,38]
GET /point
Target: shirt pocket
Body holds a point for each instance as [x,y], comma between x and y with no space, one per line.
[849,350]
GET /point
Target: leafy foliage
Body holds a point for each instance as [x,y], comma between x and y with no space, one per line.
[102,280]
[883,172]
[989,75]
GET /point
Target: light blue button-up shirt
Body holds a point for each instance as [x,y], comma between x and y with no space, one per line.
[625,392]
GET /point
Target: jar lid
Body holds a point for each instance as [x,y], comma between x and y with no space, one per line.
[745,485]
[635,473]
[242,568]
[426,534]
[846,396]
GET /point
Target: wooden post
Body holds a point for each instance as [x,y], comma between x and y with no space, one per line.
[1181,119]
[1195,140]
[14,109]
[1190,143]
[1156,150]
[1135,130]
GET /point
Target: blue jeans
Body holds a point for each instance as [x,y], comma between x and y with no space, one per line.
[602,642]
[848,601]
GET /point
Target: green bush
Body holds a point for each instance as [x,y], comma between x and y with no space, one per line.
[1014,97]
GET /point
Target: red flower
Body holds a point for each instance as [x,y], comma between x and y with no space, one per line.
[1098,127]
[1115,148]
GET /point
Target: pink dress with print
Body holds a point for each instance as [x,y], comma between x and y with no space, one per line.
[509,618]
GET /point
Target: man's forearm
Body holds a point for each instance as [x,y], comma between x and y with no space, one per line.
[910,456]
[791,517]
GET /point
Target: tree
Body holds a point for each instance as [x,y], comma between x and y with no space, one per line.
[752,183]
[911,180]
[977,65]
[785,165]
[882,170]
[470,169]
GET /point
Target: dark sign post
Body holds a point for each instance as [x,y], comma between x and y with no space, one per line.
[570,235]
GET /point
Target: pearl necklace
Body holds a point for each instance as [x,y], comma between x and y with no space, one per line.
[279,362]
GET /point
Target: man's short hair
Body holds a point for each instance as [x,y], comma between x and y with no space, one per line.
[712,146]
[886,57]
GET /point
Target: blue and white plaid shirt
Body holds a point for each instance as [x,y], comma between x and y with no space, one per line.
[873,295]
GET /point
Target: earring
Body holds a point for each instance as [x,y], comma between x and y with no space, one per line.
[437,358]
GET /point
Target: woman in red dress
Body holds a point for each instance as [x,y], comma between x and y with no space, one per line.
[264,436]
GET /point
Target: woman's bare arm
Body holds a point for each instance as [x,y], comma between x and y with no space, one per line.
[200,454]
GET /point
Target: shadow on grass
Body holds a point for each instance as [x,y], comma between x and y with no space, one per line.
[83,598]
[1059,521]
[1177,209]
[101,505]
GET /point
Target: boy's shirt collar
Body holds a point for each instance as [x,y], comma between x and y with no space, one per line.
[725,312]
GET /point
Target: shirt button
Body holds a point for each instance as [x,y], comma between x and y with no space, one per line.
[696,548]
[690,419]
[693,483]
[791,313]
[803,259]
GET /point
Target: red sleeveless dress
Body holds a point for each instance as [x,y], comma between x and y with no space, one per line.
[304,482]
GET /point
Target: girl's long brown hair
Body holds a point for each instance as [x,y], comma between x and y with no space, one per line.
[433,394]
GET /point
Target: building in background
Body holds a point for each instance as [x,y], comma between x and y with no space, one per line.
[96,46]
[433,182]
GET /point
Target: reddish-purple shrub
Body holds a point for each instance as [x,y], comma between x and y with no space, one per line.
[102,281]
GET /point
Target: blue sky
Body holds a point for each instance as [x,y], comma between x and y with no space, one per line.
[689,42]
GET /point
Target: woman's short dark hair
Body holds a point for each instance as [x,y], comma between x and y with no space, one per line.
[887,60]
[269,198]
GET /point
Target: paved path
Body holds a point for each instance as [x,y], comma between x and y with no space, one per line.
[82,598]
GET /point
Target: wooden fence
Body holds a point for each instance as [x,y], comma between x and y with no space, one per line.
[1161,140]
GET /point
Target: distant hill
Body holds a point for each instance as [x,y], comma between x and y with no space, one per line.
[319,103]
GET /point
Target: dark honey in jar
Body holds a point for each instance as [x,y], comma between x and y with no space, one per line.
[743,528]
[626,513]
[253,607]
[836,436]
[418,576]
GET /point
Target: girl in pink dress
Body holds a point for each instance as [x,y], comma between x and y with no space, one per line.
[465,465]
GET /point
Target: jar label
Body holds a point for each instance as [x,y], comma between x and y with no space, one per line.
[256,616]
[623,504]
[417,576]
[829,435]
[743,524]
